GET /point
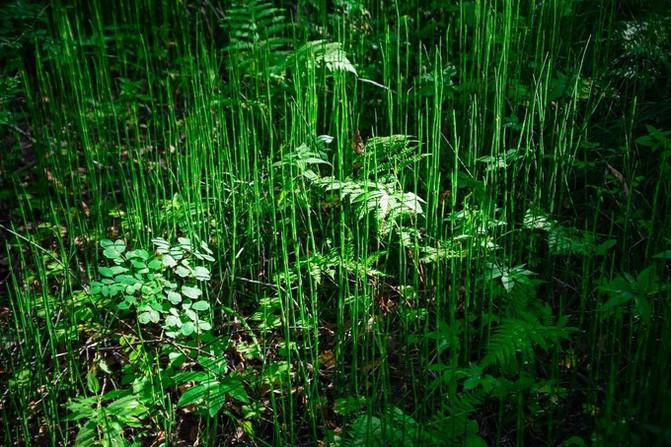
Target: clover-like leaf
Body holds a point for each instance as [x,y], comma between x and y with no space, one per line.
[187,328]
[110,272]
[172,320]
[205,248]
[112,254]
[200,305]
[133,288]
[96,287]
[204,325]
[155,264]
[169,261]
[174,297]
[191,292]
[138,264]
[183,271]
[141,254]
[113,250]
[191,314]
[201,273]
[150,289]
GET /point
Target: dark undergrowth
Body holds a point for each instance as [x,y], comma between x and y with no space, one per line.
[346,223]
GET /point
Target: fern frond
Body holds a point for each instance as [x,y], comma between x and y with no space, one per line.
[384,200]
[319,265]
[318,52]
[257,33]
[519,337]
[390,155]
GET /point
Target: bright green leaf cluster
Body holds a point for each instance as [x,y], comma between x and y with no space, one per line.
[159,287]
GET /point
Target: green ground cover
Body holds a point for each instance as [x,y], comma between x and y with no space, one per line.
[345,223]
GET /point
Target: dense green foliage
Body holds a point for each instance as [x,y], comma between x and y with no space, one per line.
[346,223]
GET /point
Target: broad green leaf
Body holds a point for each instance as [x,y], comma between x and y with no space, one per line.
[110,272]
[138,264]
[196,393]
[473,440]
[191,376]
[172,334]
[177,253]
[87,435]
[96,288]
[124,305]
[127,406]
[184,242]
[234,387]
[92,381]
[666,254]
[149,289]
[215,402]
